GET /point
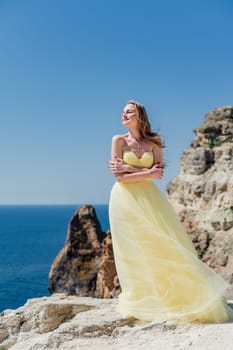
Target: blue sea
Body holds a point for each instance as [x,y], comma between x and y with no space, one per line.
[30,239]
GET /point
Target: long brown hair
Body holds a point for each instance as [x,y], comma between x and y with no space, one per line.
[144,125]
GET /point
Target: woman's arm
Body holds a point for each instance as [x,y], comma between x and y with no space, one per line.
[118,143]
[158,152]
[155,172]
[116,164]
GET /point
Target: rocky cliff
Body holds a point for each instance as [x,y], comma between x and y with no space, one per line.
[202,193]
[64,322]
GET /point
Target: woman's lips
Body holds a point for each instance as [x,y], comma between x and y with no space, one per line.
[125,119]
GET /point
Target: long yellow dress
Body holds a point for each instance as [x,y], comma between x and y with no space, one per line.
[160,275]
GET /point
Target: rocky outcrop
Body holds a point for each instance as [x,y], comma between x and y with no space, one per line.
[107,282]
[59,322]
[69,322]
[85,265]
[202,193]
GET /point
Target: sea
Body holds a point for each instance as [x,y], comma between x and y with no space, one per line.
[30,238]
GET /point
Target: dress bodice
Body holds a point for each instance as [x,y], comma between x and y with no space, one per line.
[146,160]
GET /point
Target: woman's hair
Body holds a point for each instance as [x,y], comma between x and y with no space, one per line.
[144,125]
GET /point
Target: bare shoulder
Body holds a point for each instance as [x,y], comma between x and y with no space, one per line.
[118,139]
[157,141]
[118,142]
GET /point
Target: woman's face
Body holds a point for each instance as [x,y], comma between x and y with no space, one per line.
[129,116]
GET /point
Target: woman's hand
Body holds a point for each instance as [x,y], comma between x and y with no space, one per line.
[157,170]
[118,166]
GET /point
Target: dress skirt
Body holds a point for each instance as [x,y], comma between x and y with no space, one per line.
[160,274]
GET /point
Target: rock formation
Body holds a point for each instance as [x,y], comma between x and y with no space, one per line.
[85,265]
[69,322]
[202,193]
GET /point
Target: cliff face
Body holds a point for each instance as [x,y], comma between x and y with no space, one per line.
[85,265]
[202,193]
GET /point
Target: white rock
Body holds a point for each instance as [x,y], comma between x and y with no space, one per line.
[64,322]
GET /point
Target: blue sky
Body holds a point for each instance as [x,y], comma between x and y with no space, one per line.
[67,68]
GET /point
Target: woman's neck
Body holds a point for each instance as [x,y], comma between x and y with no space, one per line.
[134,134]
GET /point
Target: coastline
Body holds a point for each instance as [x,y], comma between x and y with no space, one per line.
[30,238]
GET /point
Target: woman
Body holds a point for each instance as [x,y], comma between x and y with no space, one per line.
[160,274]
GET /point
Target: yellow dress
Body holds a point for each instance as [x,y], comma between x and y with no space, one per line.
[160,275]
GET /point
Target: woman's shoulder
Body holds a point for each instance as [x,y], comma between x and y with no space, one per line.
[157,141]
[119,138]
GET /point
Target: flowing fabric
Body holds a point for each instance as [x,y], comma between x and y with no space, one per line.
[160,275]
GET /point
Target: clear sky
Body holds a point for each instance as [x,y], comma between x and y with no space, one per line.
[67,68]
